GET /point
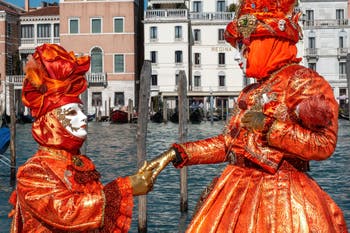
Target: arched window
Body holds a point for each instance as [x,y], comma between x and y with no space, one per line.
[96,60]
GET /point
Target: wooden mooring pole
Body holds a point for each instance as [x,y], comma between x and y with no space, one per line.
[183,118]
[141,137]
[13,131]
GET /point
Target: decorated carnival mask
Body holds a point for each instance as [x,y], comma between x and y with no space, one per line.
[72,119]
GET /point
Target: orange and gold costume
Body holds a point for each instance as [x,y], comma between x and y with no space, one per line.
[58,189]
[265,187]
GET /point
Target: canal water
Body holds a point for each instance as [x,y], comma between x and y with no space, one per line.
[113,149]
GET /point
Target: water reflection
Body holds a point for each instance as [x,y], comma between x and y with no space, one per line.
[113,149]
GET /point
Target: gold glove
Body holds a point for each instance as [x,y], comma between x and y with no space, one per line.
[254,120]
[141,182]
[157,164]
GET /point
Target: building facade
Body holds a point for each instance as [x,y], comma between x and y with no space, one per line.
[9,43]
[326,32]
[188,36]
[108,31]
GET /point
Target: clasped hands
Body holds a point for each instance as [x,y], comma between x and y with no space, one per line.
[142,182]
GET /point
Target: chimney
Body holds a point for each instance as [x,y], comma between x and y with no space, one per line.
[26,5]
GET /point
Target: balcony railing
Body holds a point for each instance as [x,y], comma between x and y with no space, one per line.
[17,80]
[97,79]
[311,53]
[212,16]
[166,14]
[325,23]
[342,52]
[41,40]
[342,76]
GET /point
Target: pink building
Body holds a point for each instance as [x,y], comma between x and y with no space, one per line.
[9,42]
[111,33]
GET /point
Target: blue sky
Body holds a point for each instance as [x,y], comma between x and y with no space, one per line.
[35,3]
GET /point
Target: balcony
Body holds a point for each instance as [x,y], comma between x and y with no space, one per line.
[166,14]
[17,80]
[97,79]
[342,53]
[311,53]
[325,23]
[212,16]
[166,1]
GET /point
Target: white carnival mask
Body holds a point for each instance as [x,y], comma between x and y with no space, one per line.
[240,59]
[73,119]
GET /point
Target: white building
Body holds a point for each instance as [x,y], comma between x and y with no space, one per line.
[188,35]
[326,39]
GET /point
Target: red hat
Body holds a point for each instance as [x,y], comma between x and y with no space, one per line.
[264,18]
[54,78]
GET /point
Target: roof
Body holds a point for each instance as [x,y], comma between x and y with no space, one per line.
[44,11]
[10,8]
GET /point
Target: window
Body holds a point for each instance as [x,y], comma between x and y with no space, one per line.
[118,25]
[197,35]
[339,14]
[221,80]
[197,6]
[341,42]
[118,63]
[153,33]
[221,58]
[312,66]
[9,29]
[27,31]
[309,17]
[154,56]
[96,99]
[220,6]
[312,43]
[73,26]
[342,91]
[197,58]
[119,99]
[56,30]
[342,68]
[177,78]
[96,60]
[96,25]
[178,56]
[221,37]
[178,32]
[197,80]
[154,80]
[44,30]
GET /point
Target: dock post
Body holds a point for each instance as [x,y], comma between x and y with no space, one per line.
[183,117]
[165,110]
[141,135]
[13,132]
[130,110]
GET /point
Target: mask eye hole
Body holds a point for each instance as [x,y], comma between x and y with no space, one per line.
[239,45]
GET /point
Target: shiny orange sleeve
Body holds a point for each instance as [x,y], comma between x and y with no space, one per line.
[47,193]
[295,138]
[43,194]
[206,151]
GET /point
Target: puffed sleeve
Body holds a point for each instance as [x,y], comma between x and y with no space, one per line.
[206,151]
[53,199]
[313,133]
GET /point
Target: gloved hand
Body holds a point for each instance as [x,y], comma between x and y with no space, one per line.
[253,120]
[141,182]
[157,164]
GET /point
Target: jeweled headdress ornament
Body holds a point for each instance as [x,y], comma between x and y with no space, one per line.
[264,18]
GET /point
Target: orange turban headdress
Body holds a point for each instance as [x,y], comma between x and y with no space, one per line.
[264,18]
[54,78]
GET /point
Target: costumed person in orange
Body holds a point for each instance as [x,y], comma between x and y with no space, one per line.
[281,122]
[58,189]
